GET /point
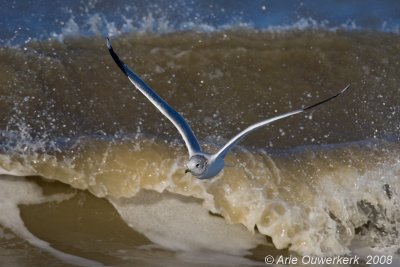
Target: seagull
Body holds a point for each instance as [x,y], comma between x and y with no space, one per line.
[201,164]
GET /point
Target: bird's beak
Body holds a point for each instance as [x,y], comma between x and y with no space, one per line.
[187,170]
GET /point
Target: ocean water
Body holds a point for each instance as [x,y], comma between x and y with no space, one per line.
[93,175]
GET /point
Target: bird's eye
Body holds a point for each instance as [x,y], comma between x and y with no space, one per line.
[197,165]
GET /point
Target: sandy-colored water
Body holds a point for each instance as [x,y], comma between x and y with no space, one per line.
[107,183]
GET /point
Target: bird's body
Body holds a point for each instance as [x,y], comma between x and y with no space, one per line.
[200,164]
[204,166]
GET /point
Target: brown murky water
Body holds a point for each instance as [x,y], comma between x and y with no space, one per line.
[313,184]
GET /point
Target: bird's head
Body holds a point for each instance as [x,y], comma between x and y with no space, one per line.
[197,165]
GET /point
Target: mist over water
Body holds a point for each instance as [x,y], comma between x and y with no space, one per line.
[108,185]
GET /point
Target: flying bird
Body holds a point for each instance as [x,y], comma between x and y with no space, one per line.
[201,164]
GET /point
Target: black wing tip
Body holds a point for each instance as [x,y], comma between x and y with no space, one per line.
[116,58]
[328,99]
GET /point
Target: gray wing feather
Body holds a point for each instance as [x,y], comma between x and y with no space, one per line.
[184,129]
[224,151]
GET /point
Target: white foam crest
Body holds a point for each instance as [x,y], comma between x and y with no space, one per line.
[127,26]
[95,23]
[18,191]
[150,24]
[385,211]
[17,169]
[311,24]
[70,29]
[326,222]
[316,216]
[301,25]
[98,24]
[202,27]
[21,142]
[355,199]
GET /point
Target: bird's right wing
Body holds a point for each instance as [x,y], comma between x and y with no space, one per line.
[223,151]
[184,129]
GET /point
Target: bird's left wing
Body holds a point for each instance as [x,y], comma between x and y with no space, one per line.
[183,127]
